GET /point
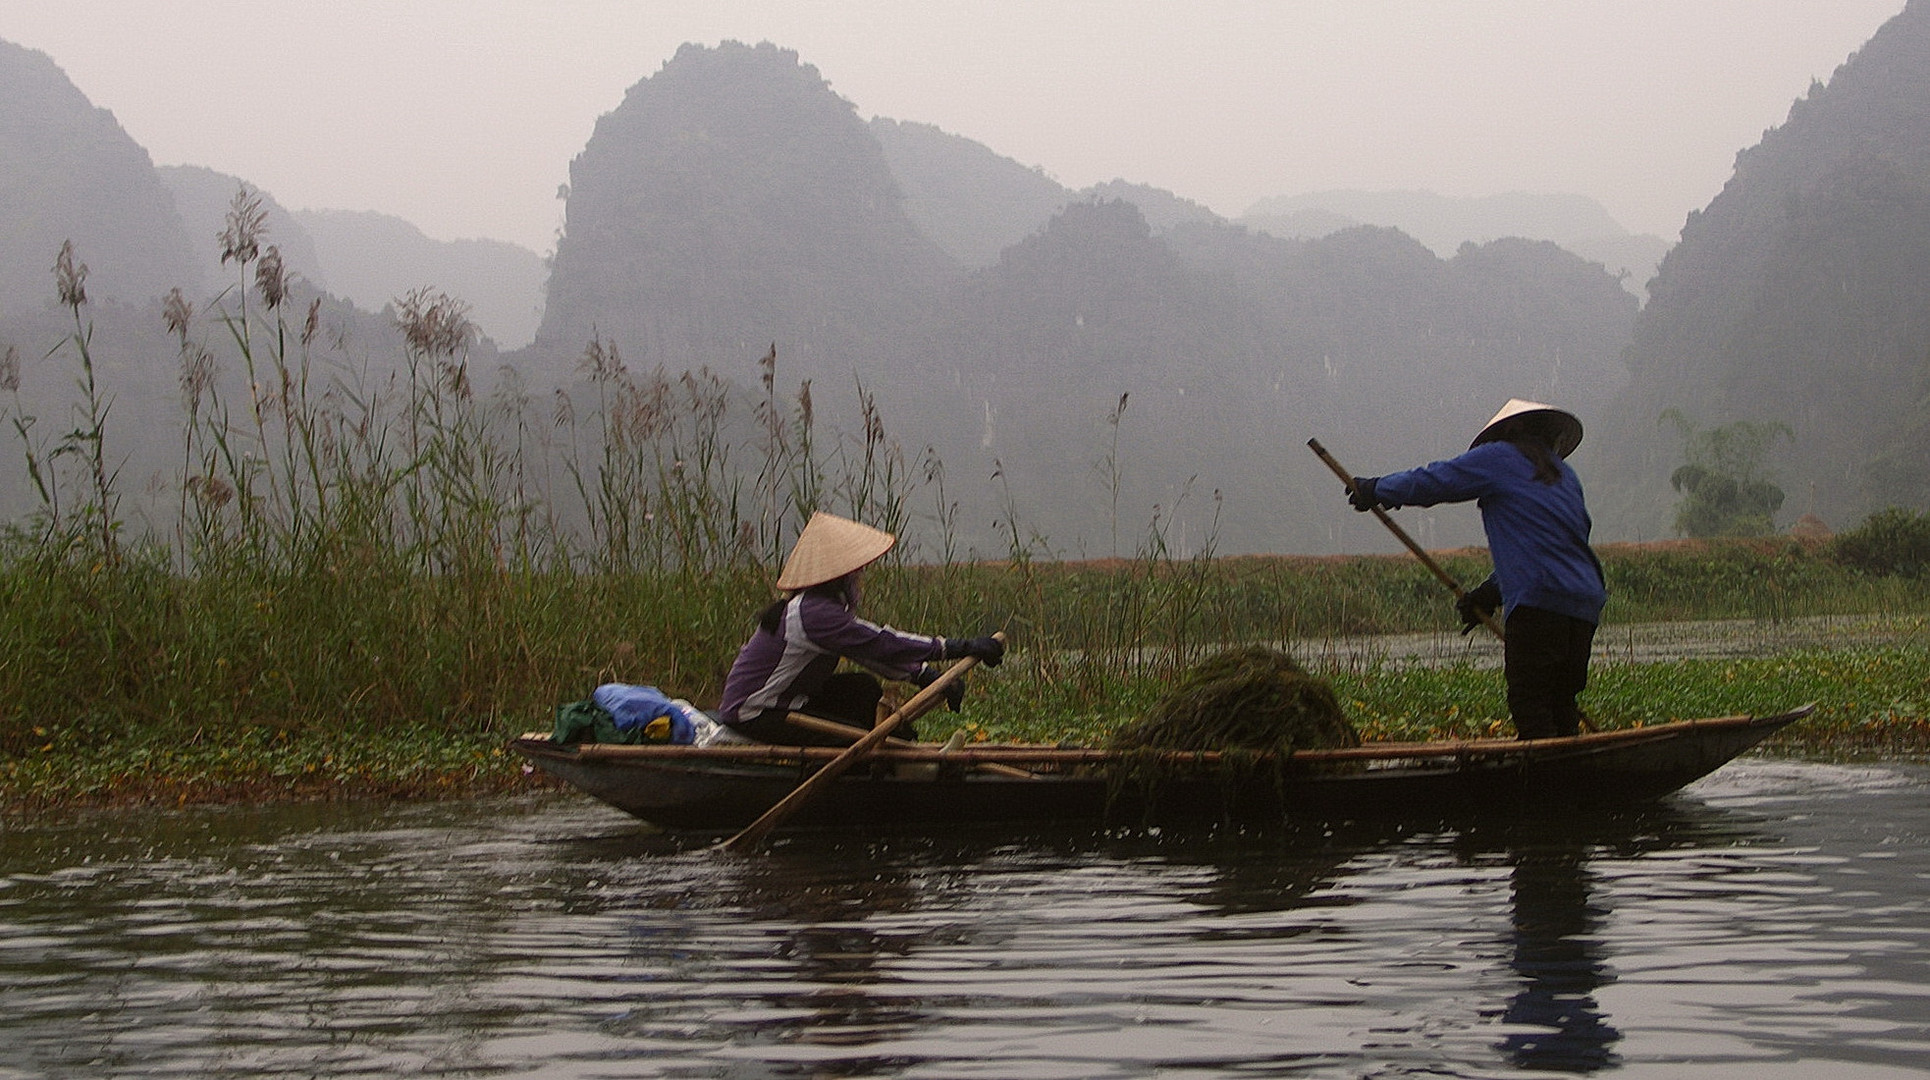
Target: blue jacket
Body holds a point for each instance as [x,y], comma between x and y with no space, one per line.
[1537,533]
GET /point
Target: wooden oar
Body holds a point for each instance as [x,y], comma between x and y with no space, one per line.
[920,703]
[851,733]
[1487,617]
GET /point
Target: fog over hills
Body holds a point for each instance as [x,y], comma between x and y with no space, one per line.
[971,201]
[69,172]
[733,201]
[1444,223]
[730,201]
[996,320]
[372,259]
[203,199]
[1797,297]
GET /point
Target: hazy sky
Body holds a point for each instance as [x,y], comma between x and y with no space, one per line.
[462,115]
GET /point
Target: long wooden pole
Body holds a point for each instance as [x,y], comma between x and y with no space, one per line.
[1487,617]
[851,733]
[920,703]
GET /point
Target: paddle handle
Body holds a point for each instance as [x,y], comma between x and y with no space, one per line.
[852,734]
[1487,618]
[920,703]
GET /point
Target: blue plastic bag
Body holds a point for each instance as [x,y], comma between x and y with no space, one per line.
[632,708]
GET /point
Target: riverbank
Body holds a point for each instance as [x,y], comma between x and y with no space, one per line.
[364,587]
[94,653]
[1868,675]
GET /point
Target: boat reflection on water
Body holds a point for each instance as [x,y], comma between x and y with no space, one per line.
[842,948]
[1781,914]
[1553,947]
[797,944]
[1290,943]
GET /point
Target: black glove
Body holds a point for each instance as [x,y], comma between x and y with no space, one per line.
[1362,493]
[954,691]
[1482,600]
[990,651]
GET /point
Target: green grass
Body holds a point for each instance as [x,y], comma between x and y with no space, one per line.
[136,681]
[255,764]
[1871,701]
[363,587]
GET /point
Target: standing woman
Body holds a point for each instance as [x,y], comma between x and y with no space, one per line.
[790,662]
[1547,580]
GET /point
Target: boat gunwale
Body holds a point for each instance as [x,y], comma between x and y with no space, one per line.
[538,746]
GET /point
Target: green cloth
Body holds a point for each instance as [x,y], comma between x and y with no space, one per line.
[586,721]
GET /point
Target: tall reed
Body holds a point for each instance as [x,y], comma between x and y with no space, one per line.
[365,546]
[383,544]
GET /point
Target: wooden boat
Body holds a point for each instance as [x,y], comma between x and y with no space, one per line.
[723,787]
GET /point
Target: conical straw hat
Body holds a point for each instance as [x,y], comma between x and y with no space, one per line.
[1563,426]
[829,548]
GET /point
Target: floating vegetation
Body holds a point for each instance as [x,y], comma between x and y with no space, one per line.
[1250,698]
[1253,704]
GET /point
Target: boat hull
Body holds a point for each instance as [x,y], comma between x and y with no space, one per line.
[694,790]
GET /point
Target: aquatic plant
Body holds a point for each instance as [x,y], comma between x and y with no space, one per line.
[1249,698]
[395,554]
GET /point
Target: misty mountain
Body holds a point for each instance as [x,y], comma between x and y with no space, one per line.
[1163,210]
[1633,257]
[733,200]
[1797,296]
[372,259]
[1444,223]
[369,259]
[203,199]
[1232,347]
[975,203]
[970,201]
[1306,223]
[366,258]
[69,172]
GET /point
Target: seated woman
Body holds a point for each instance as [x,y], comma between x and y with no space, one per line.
[790,662]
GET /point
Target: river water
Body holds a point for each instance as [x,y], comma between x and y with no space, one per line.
[1772,921]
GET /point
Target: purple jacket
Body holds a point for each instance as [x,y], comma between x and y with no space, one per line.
[783,670]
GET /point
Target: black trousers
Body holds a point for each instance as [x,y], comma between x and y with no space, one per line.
[849,697]
[1546,664]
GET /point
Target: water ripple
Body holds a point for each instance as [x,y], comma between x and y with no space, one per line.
[1772,923]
